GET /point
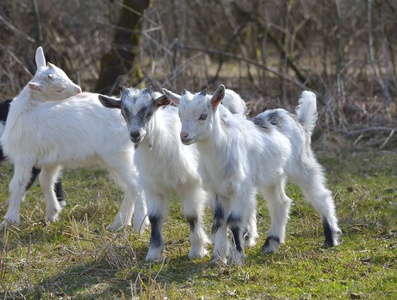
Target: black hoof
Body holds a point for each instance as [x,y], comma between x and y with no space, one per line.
[271,244]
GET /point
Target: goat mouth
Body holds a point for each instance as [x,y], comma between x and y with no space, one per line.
[137,140]
[188,141]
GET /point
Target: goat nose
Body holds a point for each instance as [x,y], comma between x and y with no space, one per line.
[135,134]
[79,90]
[184,135]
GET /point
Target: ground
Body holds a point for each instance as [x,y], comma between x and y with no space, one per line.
[76,257]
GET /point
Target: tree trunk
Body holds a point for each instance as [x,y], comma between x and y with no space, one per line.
[121,59]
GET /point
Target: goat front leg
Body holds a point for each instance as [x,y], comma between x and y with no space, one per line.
[140,222]
[48,177]
[219,229]
[240,211]
[156,214]
[17,190]
[193,201]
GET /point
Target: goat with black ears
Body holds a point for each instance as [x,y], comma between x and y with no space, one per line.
[239,156]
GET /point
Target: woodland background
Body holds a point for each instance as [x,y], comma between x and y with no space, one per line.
[268,51]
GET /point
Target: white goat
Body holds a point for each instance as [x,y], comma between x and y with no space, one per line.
[43,131]
[238,156]
[166,167]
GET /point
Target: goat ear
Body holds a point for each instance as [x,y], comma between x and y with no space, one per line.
[148,89]
[40,59]
[35,86]
[109,102]
[218,96]
[124,90]
[172,96]
[163,100]
[203,92]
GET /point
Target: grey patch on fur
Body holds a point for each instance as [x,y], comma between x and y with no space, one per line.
[261,122]
[218,215]
[156,239]
[192,222]
[274,118]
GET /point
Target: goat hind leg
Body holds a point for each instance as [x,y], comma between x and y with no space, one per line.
[312,183]
[278,204]
[57,187]
[122,169]
[48,177]
[250,226]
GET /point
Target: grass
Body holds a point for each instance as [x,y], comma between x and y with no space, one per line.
[77,258]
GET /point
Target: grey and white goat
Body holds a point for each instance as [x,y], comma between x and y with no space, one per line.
[240,155]
[48,130]
[165,166]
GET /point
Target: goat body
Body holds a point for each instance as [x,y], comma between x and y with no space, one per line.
[238,156]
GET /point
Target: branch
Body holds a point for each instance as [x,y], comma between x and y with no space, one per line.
[15,30]
[379,128]
[38,22]
[247,60]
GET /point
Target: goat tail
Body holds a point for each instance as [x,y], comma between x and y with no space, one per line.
[307,110]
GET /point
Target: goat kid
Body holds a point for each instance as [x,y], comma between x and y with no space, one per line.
[4,109]
[235,105]
[43,131]
[164,165]
[239,156]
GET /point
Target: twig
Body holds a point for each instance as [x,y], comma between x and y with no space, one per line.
[247,60]
[16,31]
[59,272]
[387,140]
[379,128]
[370,42]
[28,264]
[180,69]
[38,23]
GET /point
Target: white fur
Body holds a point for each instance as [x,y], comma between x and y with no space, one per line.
[232,104]
[237,157]
[45,131]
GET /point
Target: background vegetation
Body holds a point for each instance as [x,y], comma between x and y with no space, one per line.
[268,51]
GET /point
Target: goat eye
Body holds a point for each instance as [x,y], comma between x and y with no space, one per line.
[149,114]
[203,117]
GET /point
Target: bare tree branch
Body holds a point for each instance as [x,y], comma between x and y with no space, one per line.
[247,60]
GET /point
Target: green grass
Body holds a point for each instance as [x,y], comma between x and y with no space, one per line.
[77,258]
